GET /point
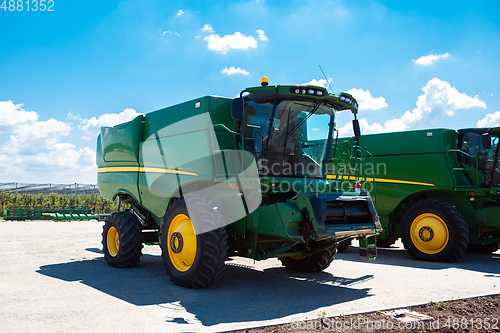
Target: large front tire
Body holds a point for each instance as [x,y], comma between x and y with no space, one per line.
[434,230]
[122,240]
[193,260]
[313,263]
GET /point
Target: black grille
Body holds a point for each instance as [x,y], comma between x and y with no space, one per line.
[339,212]
[343,210]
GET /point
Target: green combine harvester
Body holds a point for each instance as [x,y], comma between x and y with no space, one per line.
[216,177]
[437,189]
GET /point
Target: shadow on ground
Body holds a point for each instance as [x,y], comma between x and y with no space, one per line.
[242,294]
[396,256]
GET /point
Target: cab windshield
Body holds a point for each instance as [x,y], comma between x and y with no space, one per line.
[289,138]
[484,159]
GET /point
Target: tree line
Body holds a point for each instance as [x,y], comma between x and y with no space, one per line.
[57,200]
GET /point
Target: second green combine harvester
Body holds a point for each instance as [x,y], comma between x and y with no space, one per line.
[437,189]
[214,177]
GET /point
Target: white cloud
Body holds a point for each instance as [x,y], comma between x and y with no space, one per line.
[180,12]
[491,120]
[13,115]
[34,151]
[237,41]
[61,163]
[207,28]
[262,35]
[33,138]
[430,59]
[365,128]
[320,83]
[366,101]
[91,127]
[439,96]
[439,100]
[28,134]
[232,71]
[168,33]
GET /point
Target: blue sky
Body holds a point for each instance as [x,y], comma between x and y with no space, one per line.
[65,73]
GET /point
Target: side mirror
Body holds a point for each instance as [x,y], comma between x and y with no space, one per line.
[355,128]
[486,141]
[237,108]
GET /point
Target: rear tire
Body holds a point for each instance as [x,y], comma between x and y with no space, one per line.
[313,263]
[344,245]
[434,230]
[484,249]
[193,260]
[386,242]
[122,240]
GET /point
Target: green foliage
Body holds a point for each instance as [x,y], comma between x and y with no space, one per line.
[56,200]
[321,316]
[440,305]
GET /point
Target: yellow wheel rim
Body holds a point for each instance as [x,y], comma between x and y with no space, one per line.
[113,241]
[298,257]
[429,233]
[181,242]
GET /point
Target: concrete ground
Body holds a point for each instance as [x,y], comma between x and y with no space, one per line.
[53,277]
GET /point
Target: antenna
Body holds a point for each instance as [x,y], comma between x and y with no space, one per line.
[326,79]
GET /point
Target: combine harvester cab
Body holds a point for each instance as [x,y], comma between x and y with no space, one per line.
[214,177]
[437,189]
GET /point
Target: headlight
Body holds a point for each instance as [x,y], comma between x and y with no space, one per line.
[307,91]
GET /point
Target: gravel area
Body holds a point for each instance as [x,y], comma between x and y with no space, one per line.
[53,278]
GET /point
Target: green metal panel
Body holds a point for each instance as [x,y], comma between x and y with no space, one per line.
[116,158]
[182,149]
[490,216]
[279,220]
[396,177]
[120,177]
[409,142]
[157,121]
[121,143]
[220,113]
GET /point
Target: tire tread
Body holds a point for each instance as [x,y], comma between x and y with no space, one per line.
[313,263]
[212,260]
[458,221]
[130,233]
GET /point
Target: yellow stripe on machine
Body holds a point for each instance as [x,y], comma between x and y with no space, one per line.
[145,169]
[381,180]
